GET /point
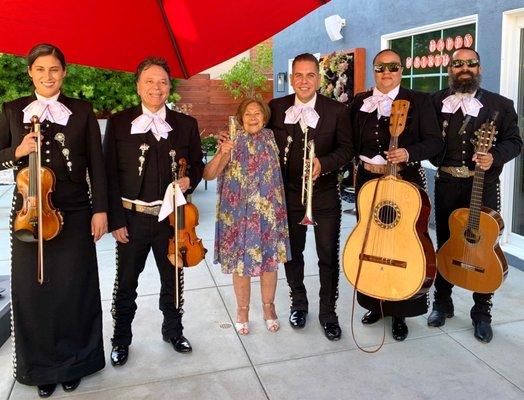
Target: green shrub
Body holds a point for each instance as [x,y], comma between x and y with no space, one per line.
[247,78]
[209,144]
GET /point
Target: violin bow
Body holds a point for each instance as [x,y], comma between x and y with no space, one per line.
[172,153]
[40,271]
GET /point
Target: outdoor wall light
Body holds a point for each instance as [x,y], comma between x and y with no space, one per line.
[334,25]
[281,81]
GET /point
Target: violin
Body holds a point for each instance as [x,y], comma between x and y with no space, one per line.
[191,251]
[37,219]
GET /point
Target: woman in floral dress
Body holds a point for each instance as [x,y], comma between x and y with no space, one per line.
[251,232]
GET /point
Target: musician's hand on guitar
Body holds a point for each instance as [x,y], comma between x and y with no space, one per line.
[184,183]
[121,235]
[316,168]
[397,156]
[98,225]
[27,146]
[483,160]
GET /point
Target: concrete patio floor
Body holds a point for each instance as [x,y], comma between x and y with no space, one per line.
[432,363]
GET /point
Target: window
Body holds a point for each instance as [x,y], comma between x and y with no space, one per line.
[426,54]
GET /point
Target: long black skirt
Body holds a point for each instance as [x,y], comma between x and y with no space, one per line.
[57,326]
[418,304]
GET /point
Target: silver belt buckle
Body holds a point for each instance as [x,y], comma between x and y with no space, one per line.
[460,172]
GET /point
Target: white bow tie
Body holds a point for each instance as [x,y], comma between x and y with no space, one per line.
[145,122]
[51,110]
[379,102]
[307,115]
[468,104]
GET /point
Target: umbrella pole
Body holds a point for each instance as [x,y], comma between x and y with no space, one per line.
[172,38]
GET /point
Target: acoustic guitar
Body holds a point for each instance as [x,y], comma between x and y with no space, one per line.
[472,257]
[384,256]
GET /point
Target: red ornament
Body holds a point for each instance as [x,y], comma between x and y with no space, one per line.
[431,61]
[449,43]
[458,42]
[432,45]
[468,40]
[438,60]
[445,60]
[424,62]
[416,62]
[440,45]
[409,62]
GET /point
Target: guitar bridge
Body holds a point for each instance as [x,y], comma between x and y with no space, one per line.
[383,260]
[466,266]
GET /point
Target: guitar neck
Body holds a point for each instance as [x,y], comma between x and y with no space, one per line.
[391,169]
[476,199]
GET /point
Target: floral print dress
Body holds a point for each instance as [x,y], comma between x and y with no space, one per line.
[251,231]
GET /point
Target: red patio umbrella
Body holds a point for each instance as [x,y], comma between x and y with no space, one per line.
[192,35]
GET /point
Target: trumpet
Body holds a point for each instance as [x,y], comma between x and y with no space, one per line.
[307,181]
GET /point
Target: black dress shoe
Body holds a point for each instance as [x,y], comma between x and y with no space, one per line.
[399,329]
[71,385]
[297,318]
[46,390]
[332,330]
[180,344]
[483,331]
[438,318]
[370,317]
[119,355]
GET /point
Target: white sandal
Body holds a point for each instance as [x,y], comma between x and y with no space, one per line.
[272,325]
[242,328]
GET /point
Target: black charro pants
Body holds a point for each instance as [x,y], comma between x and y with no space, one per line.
[145,233]
[327,215]
[452,193]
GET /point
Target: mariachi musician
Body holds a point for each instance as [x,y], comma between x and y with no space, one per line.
[461,109]
[420,140]
[57,320]
[141,146]
[326,122]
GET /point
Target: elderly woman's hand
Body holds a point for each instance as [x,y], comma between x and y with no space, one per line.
[225,145]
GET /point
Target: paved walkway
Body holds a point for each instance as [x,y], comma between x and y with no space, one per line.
[433,363]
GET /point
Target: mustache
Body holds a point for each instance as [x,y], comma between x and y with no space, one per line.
[468,73]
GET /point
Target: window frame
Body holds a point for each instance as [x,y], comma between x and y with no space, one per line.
[452,23]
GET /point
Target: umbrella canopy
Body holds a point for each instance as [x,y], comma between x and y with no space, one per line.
[192,35]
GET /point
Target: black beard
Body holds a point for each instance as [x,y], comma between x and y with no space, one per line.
[464,85]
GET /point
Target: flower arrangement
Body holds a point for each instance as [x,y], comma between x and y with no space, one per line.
[336,76]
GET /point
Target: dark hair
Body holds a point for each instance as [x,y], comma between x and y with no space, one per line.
[386,51]
[467,48]
[149,62]
[242,109]
[305,57]
[45,49]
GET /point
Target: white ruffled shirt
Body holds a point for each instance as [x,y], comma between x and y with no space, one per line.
[465,101]
[156,122]
[380,101]
[49,109]
[304,113]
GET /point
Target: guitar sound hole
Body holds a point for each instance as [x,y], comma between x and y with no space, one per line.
[386,214]
[471,236]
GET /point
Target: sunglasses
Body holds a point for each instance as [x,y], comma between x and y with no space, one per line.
[471,63]
[391,66]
